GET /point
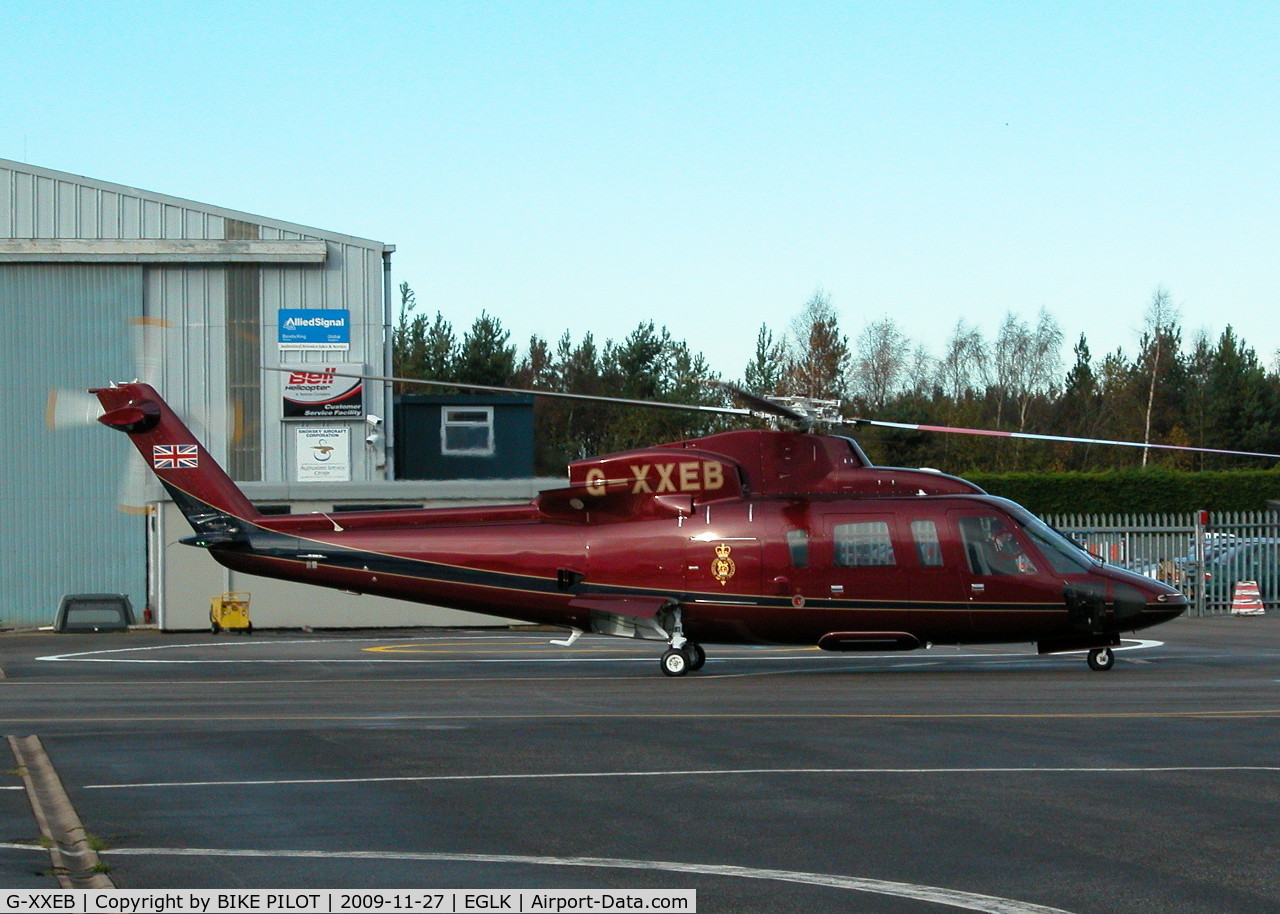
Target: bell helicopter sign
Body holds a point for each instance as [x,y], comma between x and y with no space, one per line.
[314,329]
[323,392]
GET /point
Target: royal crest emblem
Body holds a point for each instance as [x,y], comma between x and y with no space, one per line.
[722,567]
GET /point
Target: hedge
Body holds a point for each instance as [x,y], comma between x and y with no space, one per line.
[1135,491]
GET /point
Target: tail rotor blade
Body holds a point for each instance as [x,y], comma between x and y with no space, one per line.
[71,409]
[68,409]
[148,348]
[136,489]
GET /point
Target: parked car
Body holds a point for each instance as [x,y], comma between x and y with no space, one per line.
[1227,560]
[1249,560]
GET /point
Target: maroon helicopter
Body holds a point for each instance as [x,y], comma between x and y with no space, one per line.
[761,536]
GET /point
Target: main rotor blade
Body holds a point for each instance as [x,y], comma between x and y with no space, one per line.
[762,407]
[1033,437]
[656,404]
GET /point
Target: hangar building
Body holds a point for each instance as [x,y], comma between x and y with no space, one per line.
[224,293]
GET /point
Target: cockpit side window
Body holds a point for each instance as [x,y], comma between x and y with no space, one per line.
[993,548]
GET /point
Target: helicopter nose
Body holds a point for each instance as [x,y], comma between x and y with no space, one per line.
[1139,602]
[1130,602]
[1156,604]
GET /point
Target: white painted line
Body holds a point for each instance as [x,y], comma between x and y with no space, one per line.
[102,656]
[923,658]
[667,773]
[72,658]
[1130,644]
[966,901]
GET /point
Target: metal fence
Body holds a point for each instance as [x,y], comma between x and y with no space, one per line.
[1203,554]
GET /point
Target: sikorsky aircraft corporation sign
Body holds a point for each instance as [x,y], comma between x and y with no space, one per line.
[320,392]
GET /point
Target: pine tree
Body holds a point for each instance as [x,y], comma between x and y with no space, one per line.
[485,356]
[419,349]
[764,373]
[1078,409]
[1242,412]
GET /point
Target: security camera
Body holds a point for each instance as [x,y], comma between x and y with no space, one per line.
[373,440]
[373,420]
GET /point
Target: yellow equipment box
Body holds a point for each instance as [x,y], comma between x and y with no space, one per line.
[230,612]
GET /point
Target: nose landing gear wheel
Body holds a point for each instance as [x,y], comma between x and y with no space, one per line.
[1101,659]
[675,663]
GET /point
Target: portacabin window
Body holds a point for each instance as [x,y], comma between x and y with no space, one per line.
[466,431]
[863,544]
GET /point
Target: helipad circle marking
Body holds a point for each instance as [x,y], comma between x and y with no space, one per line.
[695,773]
[115,655]
[954,898]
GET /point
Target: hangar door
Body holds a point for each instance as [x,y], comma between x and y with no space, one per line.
[65,326]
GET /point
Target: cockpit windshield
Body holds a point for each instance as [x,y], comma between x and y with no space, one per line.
[1063,555]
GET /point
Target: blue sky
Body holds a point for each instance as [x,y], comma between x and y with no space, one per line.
[586,166]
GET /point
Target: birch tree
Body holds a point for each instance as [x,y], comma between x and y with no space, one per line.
[881,363]
[818,353]
[1159,352]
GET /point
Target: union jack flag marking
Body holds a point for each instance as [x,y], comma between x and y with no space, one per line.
[175,456]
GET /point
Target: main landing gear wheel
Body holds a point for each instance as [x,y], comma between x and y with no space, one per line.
[676,662]
[697,656]
[1101,659]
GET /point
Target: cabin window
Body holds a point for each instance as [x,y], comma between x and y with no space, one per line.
[798,543]
[863,544]
[993,548]
[928,549]
[466,431]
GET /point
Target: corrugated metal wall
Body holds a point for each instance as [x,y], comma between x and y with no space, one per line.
[193,300]
[351,278]
[47,204]
[68,326]
[39,203]
[60,532]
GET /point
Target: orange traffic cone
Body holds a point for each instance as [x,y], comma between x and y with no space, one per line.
[1247,601]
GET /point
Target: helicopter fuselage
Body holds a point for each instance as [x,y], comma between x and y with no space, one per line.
[743,537]
[864,573]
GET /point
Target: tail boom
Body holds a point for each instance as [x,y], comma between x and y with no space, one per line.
[201,488]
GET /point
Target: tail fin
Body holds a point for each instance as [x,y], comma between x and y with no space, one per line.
[203,492]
